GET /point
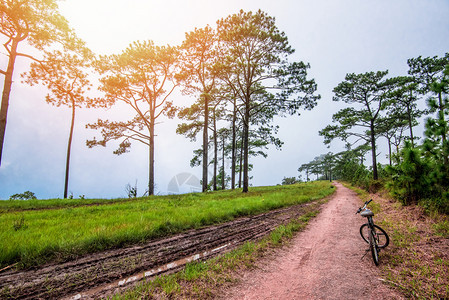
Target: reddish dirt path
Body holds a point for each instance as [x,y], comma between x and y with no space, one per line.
[322,262]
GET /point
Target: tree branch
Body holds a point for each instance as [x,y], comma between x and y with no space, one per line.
[29,56]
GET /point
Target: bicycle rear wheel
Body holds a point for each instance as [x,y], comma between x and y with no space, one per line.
[381,236]
[374,248]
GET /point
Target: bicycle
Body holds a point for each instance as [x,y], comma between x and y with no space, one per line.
[374,235]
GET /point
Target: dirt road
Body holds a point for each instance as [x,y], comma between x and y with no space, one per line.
[322,262]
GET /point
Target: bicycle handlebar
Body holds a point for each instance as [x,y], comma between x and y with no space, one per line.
[364,206]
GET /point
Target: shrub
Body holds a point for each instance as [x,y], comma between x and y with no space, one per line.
[409,179]
[375,186]
[24,196]
[289,180]
[131,190]
[19,223]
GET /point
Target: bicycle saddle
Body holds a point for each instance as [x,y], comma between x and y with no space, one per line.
[367,213]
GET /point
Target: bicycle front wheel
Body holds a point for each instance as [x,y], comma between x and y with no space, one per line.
[380,235]
[374,248]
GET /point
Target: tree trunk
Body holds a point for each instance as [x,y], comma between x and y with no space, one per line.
[389,149]
[215,150]
[241,161]
[443,132]
[234,120]
[205,141]
[151,159]
[246,148]
[373,151]
[409,114]
[6,93]
[69,147]
[223,181]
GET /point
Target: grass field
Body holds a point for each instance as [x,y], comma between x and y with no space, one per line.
[35,232]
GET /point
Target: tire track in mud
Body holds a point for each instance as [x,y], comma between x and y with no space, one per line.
[96,275]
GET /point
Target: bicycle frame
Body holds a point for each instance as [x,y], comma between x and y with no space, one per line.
[371,224]
[374,233]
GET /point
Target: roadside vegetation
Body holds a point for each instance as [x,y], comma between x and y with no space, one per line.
[417,260]
[33,237]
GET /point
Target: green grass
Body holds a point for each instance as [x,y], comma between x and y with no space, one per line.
[441,228]
[67,230]
[21,205]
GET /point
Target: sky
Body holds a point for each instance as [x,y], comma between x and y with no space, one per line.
[335,36]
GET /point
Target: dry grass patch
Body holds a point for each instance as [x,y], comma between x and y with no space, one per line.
[417,260]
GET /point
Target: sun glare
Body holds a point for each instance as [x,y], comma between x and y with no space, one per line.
[109,26]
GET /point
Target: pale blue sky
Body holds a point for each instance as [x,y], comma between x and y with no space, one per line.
[335,37]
